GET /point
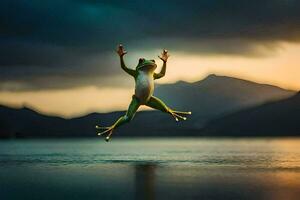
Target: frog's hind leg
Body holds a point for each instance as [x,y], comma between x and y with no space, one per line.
[158,104]
[134,105]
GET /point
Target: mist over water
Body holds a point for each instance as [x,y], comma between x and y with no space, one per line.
[150,168]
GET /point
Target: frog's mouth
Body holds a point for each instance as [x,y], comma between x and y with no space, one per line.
[147,66]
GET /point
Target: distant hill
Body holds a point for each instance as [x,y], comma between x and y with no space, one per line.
[208,99]
[217,95]
[278,118]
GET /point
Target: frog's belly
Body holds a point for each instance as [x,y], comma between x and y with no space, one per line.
[144,89]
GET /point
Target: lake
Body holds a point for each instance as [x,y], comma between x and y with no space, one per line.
[150,168]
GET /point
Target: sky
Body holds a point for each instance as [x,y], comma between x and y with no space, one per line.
[58,56]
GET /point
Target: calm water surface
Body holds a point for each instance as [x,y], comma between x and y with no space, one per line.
[181,168]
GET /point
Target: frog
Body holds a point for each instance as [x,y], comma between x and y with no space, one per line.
[144,75]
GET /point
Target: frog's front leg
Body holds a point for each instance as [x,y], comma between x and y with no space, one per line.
[133,107]
[164,57]
[158,104]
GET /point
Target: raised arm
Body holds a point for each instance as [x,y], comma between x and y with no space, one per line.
[164,57]
[121,53]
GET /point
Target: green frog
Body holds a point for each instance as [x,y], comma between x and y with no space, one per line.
[144,76]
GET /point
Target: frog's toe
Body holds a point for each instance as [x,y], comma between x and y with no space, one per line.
[179,116]
[108,130]
[174,116]
[101,127]
[182,112]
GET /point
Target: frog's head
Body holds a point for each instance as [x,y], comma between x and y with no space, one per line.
[146,65]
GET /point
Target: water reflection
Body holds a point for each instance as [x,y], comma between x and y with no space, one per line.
[145,181]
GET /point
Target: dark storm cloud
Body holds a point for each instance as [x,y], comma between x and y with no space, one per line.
[55,43]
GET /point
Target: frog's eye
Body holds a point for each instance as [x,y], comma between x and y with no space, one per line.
[153,61]
[141,60]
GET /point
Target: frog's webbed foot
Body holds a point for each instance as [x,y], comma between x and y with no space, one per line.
[107,130]
[178,114]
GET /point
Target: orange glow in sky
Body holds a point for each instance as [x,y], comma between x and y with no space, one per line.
[281,68]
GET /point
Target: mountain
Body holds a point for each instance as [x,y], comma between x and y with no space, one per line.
[208,99]
[217,95]
[278,118]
